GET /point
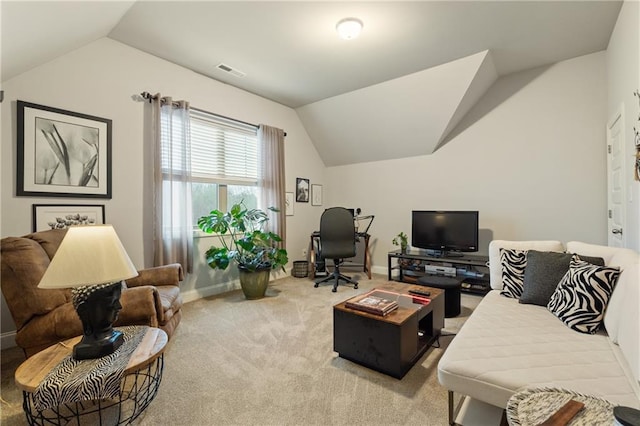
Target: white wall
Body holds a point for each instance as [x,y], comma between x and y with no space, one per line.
[623,78]
[530,156]
[99,79]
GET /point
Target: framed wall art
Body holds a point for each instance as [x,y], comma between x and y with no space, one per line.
[302,190]
[316,195]
[61,216]
[62,153]
[289,203]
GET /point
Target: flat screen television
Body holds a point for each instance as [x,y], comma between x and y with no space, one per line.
[445,232]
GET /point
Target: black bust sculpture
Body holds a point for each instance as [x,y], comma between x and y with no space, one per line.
[98,307]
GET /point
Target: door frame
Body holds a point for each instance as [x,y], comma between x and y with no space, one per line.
[617,116]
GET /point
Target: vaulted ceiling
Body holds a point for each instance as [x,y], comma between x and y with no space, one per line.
[395,91]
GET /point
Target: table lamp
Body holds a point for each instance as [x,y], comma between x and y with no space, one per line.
[92,261]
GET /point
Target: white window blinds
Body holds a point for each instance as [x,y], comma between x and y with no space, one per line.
[223,150]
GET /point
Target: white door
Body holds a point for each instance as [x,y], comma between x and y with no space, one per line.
[616,182]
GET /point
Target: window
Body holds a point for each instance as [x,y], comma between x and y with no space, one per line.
[224,163]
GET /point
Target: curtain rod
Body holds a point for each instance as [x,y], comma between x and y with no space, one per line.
[149,96]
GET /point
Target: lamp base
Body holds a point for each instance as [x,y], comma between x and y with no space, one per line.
[89,348]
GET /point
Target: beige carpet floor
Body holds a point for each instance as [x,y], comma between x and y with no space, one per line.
[271,362]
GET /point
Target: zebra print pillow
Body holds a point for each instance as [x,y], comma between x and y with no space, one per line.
[582,295]
[513,264]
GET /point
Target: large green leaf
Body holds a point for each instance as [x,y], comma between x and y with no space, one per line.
[249,246]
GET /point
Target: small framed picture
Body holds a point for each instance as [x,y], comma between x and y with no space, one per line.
[62,153]
[302,190]
[61,216]
[316,195]
[289,203]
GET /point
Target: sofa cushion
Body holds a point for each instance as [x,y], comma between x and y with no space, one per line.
[622,316]
[495,268]
[513,264]
[506,345]
[543,272]
[582,295]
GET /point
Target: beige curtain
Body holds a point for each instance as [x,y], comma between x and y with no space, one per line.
[271,178]
[173,228]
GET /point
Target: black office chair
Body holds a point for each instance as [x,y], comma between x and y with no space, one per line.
[337,242]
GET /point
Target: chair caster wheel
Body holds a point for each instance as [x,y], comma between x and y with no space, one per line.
[334,290]
[355,287]
[315,285]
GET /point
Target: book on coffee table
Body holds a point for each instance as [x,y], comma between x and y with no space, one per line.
[372,304]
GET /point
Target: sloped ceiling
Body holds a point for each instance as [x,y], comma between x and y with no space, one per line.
[398,90]
[399,118]
[36,32]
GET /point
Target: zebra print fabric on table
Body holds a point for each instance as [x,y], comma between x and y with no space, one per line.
[513,264]
[87,380]
[582,295]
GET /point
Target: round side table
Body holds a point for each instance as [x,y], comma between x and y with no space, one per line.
[531,407]
[139,385]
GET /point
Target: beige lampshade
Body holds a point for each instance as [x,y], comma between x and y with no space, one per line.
[88,255]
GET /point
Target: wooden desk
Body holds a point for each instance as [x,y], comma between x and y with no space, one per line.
[366,265]
[140,384]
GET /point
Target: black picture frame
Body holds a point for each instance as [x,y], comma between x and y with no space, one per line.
[61,216]
[302,190]
[62,153]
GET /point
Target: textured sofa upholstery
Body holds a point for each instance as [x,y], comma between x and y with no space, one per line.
[506,346]
[45,317]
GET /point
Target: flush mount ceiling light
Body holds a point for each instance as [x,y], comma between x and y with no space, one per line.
[349,28]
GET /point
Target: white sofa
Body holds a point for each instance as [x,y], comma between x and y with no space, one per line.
[506,346]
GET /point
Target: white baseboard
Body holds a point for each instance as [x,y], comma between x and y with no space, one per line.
[219,288]
[382,270]
[8,340]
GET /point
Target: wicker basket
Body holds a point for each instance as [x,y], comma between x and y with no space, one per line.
[300,268]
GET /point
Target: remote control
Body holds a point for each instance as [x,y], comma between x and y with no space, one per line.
[420,292]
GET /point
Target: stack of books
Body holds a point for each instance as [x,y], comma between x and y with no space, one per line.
[372,304]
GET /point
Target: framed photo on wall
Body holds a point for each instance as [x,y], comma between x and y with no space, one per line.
[62,153]
[316,195]
[289,203]
[302,190]
[61,216]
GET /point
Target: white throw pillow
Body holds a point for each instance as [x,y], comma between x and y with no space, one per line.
[513,264]
[581,297]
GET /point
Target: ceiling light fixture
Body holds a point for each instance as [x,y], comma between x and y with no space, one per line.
[349,28]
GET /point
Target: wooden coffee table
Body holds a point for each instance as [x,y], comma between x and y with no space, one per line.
[390,344]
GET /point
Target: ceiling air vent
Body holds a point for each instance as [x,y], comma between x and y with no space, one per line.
[231,70]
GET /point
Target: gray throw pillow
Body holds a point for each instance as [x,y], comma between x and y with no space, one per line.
[544,271]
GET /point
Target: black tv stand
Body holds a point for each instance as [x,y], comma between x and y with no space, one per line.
[443,253]
[410,266]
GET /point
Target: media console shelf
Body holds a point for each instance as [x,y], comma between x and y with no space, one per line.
[411,265]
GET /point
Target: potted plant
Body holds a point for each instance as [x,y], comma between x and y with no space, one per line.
[244,241]
[401,240]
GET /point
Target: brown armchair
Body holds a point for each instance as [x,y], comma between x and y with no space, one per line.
[45,317]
